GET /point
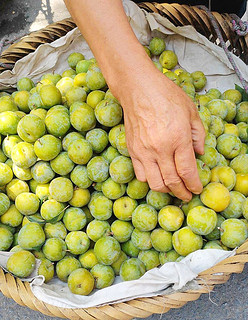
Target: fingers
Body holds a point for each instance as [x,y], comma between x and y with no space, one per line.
[198,135]
[187,169]
[139,170]
[172,179]
[154,177]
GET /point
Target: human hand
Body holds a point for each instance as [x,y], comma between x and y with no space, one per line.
[163,129]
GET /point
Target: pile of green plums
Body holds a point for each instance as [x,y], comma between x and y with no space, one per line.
[68,191]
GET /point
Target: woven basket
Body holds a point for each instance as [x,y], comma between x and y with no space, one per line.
[20,291]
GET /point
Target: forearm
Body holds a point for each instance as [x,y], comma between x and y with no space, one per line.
[105,27]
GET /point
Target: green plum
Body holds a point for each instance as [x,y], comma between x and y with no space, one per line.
[52,210]
[6,239]
[117,264]
[168,59]
[25,84]
[7,104]
[21,264]
[158,199]
[113,190]
[121,144]
[80,177]
[54,249]
[22,174]
[240,164]
[64,84]
[202,220]
[204,172]
[98,169]
[150,258]
[215,196]
[137,189]
[242,112]
[231,110]
[66,266]
[243,131]
[132,269]
[114,132]
[170,218]
[217,126]
[224,175]
[170,256]
[47,147]
[144,217]
[77,242]
[27,203]
[74,58]
[54,77]
[199,80]
[30,128]
[98,139]
[213,245]
[88,259]
[62,164]
[215,234]
[69,138]
[101,207]
[82,117]
[233,233]
[121,169]
[31,236]
[50,96]
[157,46]
[57,123]
[55,230]
[75,94]
[121,230]
[8,144]
[210,156]
[107,250]
[8,122]
[83,66]
[23,155]
[97,229]
[74,219]
[129,249]
[46,269]
[229,145]
[94,78]
[141,239]
[232,95]
[108,113]
[61,189]
[104,275]
[15,187]
[4,203]
[217,107]
[80,151]
[81,282]
[42,172]
[161,240]
[234,209]
[6,174]
[124,207]
[80,198]
[186,241]
[94,97]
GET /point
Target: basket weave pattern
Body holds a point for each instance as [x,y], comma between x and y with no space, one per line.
[19,291]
